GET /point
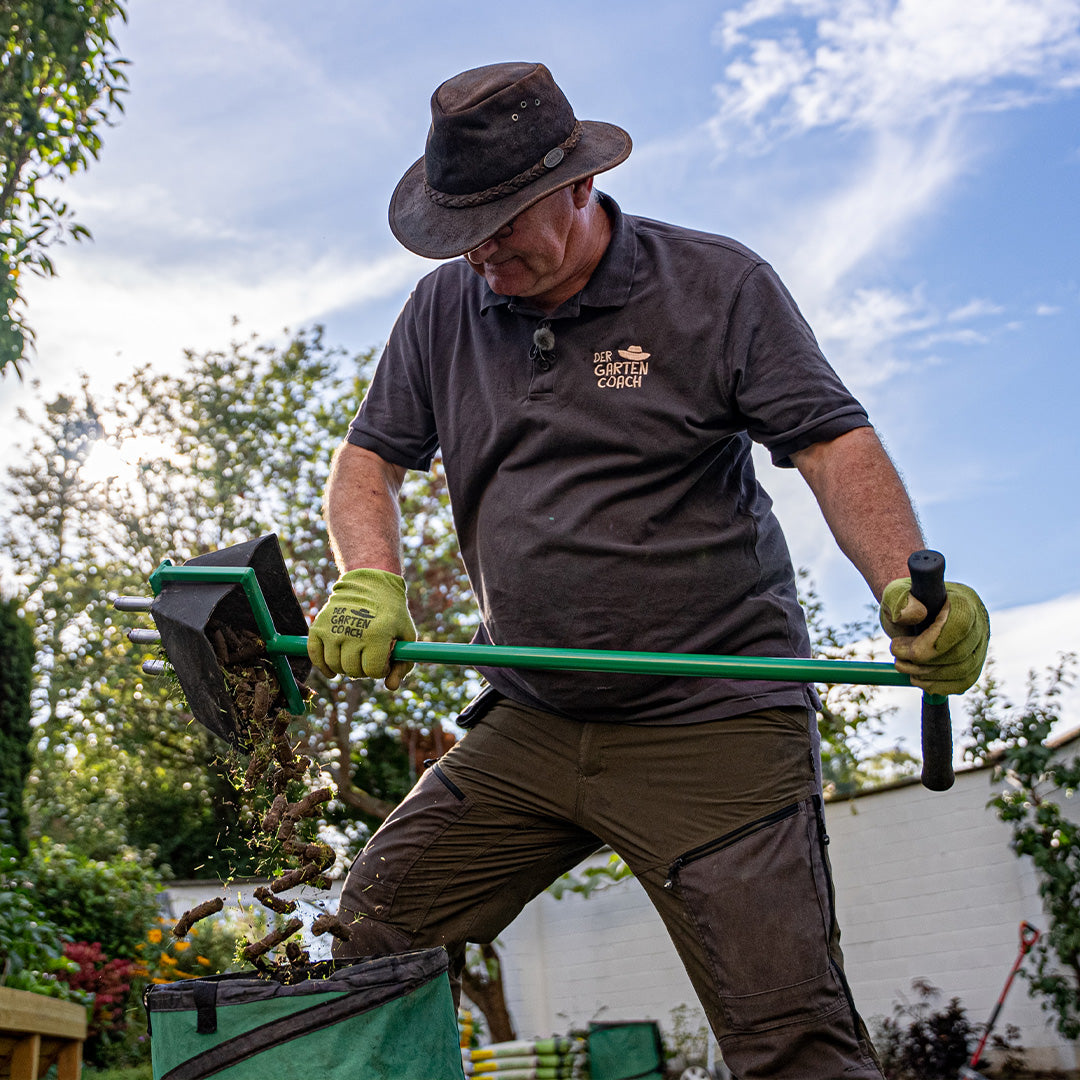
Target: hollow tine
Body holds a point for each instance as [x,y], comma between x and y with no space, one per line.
[139,636]
[153,667]
[133,603]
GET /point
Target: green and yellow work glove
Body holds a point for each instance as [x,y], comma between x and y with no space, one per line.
[947,657]
[355,631]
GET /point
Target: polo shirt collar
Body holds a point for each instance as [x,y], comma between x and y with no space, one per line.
[610,283]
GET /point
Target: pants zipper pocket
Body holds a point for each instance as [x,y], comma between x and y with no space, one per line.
[449,784]
[721,842]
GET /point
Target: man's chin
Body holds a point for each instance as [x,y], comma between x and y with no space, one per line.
[509,277]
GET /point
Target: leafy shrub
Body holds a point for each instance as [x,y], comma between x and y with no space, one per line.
[919,1042]
[108,980]
[31,947]
[112,903]
[1033,803]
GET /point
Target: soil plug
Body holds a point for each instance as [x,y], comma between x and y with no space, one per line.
[330,924]
[291,878]
[201,911]
[321,854]
[297,956]
[268,899]
[308,804]
[273,815]
[257,766]
[273,939]
[280,778]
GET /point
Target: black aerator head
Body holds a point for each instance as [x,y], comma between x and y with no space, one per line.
[183,611]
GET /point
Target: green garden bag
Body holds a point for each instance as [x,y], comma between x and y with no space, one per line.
[631,1050]
[382,1018]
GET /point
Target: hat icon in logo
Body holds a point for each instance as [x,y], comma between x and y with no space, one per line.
[634,353]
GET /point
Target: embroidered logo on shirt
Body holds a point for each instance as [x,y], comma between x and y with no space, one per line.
[626,373]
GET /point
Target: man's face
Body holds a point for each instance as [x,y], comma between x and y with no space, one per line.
[534,260]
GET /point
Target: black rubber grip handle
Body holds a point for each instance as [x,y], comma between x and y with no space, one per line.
[927,570]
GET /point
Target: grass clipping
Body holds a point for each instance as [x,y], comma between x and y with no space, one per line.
[275,774]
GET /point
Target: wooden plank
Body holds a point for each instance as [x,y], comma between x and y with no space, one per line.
[69,1061]
[25,1058]
[22,1011]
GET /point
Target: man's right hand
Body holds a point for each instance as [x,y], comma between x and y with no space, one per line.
[355,631]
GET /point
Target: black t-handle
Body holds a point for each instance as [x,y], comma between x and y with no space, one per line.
[927,570]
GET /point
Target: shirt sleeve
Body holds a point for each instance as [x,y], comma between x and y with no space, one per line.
[784,389]
[395,419]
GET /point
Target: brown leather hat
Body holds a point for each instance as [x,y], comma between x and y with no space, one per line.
[502,137]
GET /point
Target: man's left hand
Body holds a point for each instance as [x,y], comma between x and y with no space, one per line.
[947,657]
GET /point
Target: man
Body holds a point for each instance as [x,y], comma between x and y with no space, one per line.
[594,381]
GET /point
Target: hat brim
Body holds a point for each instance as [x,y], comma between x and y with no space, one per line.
[441,232]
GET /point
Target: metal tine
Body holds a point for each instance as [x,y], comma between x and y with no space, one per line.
[133,603]
[154,667]
[144,637]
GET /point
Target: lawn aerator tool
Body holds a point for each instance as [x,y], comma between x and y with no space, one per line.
[246,588]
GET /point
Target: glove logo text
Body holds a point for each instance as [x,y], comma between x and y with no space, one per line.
[350,622]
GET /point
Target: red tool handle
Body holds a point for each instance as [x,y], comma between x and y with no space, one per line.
[1028,936]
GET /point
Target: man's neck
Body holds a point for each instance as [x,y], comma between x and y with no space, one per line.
[586,248]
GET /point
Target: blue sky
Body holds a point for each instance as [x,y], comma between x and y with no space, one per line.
[911,169]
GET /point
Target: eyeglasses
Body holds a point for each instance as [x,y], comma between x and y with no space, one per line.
[502,234]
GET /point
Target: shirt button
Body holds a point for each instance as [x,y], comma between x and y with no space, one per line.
[544,364]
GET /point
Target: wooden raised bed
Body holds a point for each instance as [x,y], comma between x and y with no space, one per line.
[37,1032]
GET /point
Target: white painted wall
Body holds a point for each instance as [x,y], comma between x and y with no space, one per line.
[927,887]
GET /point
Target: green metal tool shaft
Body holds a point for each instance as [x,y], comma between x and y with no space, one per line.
[523,656]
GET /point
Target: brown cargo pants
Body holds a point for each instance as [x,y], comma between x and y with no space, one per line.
[721,823]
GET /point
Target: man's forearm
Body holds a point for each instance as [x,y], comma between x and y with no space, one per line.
[864,503]
[362,512]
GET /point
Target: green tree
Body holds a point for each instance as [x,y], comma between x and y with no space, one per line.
[235,444]
[16,669]
[852,718]
[1039,780]
[95,751]
[61,82]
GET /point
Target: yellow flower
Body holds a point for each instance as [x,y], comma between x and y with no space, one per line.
[202,960]
[180,946]
[168,961]
[154,937]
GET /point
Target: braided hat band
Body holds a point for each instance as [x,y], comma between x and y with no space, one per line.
[515,183]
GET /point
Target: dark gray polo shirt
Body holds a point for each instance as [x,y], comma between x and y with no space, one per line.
[603,493]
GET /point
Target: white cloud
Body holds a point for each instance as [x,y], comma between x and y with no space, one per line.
[974,309]
[891,64]
[858,331]
[105,316]
[890,85]
[953,337]
[901,178]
